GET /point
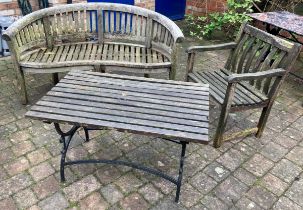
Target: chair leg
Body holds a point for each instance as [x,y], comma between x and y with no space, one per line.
[263,119]
[230,91]
[218,139]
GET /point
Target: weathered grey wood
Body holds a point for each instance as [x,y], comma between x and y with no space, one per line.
[71,111]
[190,117]
[92,91]
[247,86]
[224,114]
[156,90]
[266,110]
[100,26]
[257,75]
[19,72]
[190,63]
[80,121]
[108,90]
[174,60]
[276,41]
[240,97]
[47,31]
[251,56]
[133,78]
[133,110]
[243,57]
[244,93]
[236,54]
[75,26]
[125,113]
[261,62]
[225,46]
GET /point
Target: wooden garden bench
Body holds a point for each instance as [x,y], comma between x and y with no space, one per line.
[251,78]
[86,35]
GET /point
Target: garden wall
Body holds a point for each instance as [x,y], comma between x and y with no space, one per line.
[10,7]
[202,7]
[196,7]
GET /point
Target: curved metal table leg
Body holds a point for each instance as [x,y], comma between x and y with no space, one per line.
[65,139]
[86,134]
[179,181]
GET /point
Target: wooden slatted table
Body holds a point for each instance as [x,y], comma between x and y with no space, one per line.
[176,111]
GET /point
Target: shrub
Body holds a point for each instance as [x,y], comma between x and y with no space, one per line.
[228,21]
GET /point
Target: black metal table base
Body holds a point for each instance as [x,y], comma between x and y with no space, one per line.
[66,138]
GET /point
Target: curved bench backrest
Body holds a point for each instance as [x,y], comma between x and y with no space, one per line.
[94,21]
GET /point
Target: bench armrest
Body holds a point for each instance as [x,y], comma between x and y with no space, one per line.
[258,75]
[225,46]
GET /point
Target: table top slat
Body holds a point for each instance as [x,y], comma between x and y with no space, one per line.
[109,112]
[113,90]
[200,96]
[81,121]
[113,118]
[139,79]
[139,110]
[128,103]
[134,84]
[123,96]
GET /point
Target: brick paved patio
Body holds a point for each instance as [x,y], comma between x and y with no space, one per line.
[246,173]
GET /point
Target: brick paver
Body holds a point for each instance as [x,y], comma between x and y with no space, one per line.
[251,173]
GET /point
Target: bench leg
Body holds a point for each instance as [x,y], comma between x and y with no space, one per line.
[179,181]
[172,73]
[22,87]
[65,139]
[55,78]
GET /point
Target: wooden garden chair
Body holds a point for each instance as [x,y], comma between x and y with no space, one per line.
[251,78]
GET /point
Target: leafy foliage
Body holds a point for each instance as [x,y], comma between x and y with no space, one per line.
[228,21]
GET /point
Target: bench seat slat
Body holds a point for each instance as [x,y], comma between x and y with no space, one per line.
[84,53]
[249,87]
[241,93]
[214,91]
[64,53]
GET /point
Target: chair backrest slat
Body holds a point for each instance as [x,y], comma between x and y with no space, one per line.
[246,50]
[260,51]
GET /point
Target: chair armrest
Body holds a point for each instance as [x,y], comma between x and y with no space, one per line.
[258,75]
[224,46]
